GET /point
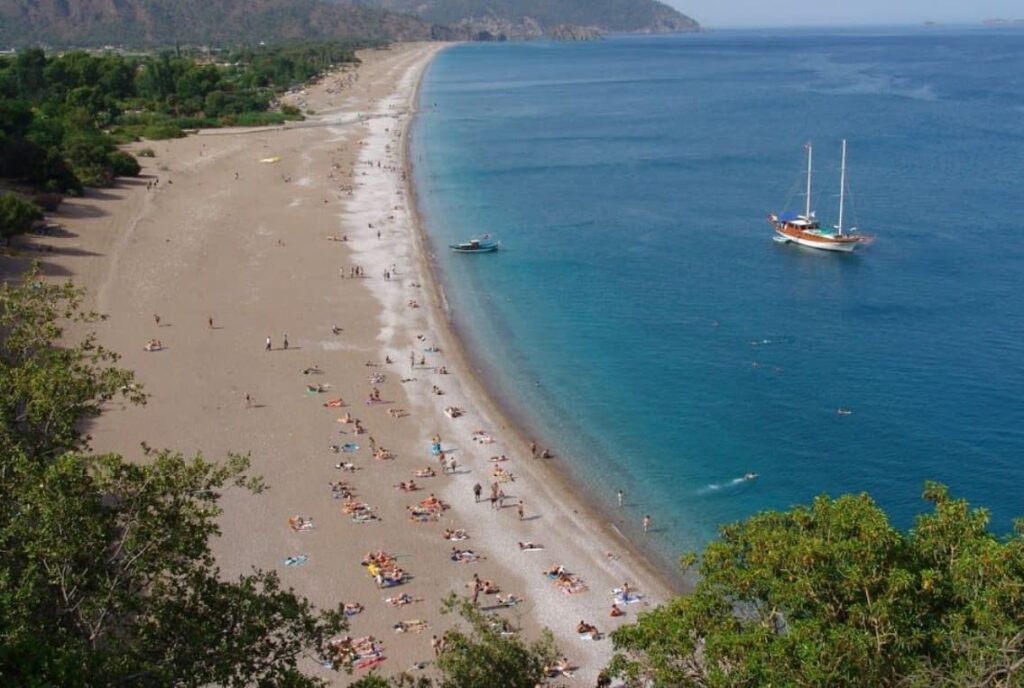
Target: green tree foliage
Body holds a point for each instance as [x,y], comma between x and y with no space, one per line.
[483,652]
[833,595]
[106,574]
[16,215]
[487,655]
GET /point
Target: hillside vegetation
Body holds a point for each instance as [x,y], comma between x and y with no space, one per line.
[540,16]
[163,23]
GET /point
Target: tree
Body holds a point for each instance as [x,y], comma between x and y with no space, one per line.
[16,215]
[488,655]
[833,595]
[106,574]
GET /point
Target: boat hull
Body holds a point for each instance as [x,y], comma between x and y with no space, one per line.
[837,244]
[482,249]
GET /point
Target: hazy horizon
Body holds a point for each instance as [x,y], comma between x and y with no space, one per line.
[755,13]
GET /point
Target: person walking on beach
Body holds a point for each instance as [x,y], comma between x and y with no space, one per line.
[501,499]
[248,400]
[157,319]
[621,497]
[533,449]
[412,360]
[268,346]
[647,524]
[286,341]
[477,490]
[209,322]
[519,509]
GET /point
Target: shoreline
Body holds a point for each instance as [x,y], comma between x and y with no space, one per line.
[543,484]
[482,390]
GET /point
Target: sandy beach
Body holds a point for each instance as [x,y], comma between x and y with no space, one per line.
[307,236]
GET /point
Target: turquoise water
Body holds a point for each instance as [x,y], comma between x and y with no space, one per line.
[640,318]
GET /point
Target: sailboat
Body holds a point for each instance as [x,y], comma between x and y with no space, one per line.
[805,229]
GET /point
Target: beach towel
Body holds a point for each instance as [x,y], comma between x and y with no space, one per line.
[631,598]
[297,560]
[350,447]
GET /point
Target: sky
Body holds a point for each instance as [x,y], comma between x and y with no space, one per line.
[724,13]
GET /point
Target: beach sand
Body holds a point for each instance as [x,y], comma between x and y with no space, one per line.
[240,226]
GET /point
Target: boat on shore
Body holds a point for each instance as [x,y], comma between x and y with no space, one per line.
[484,244]
[805,229]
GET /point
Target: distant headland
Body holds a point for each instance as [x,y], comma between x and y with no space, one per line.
[158,23]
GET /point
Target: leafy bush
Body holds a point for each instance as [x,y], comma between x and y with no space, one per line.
[124,164]
[290,110]
[16,215]
[259,119]
[159,132]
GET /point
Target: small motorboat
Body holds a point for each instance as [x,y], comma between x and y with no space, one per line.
[484,244]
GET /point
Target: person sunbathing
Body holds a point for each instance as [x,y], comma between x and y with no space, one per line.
[584,628]
[427,472]
[402,600]
[340,490]
[509,600]
[358,429]
[298,523]
[312,370]
[346,419]
[463,555]
[431,502]
[383,454]
[353,608]
[555,571]
[489,588]
[316,389]
[529,546]
[334,403]
[615,611]
[563,667]
[455,535]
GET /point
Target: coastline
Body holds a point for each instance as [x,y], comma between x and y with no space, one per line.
[229,235]
[575,518]
[482,390]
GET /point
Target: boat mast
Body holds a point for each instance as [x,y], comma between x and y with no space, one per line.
[842,189]
[807,212]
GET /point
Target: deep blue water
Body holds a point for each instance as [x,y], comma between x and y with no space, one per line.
[642,320]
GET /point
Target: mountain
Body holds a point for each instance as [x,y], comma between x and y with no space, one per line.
[534,18]
[156,23]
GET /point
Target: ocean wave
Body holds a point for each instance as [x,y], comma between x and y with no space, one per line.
[861,79]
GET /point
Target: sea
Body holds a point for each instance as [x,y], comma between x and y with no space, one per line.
[639,318]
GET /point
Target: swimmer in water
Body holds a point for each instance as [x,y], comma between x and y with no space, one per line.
[749,476]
